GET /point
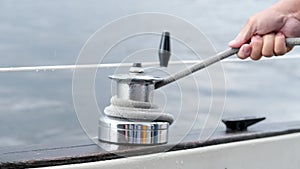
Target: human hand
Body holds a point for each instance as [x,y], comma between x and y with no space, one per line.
[266,31]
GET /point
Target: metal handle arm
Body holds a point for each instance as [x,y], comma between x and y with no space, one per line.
[209,61]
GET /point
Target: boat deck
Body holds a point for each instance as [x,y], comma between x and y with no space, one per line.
[87,151]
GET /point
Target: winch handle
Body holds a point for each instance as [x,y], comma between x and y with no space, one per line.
[211,60]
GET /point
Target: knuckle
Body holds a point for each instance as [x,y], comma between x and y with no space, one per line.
[280,51]
[242,57]
[255,57]
[267,53]
[257,41]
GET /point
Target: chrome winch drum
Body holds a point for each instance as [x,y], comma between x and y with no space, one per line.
[132,118]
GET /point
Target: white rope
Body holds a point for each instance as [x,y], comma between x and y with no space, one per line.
[136,110]
[218,57]
[111,65]
[86,66]
[59,67]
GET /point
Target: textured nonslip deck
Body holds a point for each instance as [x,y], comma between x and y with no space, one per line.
[87,151]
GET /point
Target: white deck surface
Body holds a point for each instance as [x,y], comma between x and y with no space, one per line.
[280,152]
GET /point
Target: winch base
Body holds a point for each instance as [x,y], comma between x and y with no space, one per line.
[120,131]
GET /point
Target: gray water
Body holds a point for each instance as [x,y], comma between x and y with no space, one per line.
[37,107]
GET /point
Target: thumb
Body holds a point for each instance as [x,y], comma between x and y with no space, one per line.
[244,36]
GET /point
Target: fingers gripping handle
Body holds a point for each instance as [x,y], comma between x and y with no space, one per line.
[209,61]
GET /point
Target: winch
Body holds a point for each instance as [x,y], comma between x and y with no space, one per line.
[132,118]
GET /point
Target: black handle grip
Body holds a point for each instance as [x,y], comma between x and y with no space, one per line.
[164,52]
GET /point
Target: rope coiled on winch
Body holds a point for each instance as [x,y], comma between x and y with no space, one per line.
[136,110]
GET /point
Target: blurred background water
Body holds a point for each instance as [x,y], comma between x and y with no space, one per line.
[37,107]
